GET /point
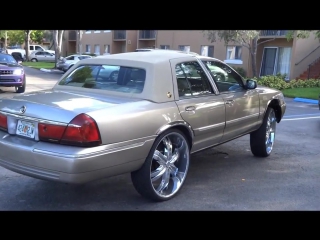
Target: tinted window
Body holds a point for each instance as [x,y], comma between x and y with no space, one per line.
[192,80]
[38,48]
[107,77]
[39,53]
[84,57]
[31,48]
[224,76]
[70,58]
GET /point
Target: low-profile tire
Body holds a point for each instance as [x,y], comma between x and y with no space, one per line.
[34,60]
[262,140]
[21,89]
[163,173]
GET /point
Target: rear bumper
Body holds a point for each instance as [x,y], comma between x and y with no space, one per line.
[63,67]
[71,164]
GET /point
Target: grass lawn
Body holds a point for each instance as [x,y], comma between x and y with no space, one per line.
[39,65]
[310,93]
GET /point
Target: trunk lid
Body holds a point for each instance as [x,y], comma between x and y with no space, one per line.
[58,106]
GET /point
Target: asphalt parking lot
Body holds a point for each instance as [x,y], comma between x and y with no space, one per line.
[227,177]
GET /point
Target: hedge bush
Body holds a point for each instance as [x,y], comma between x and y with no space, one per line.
[279,83]
[241,71]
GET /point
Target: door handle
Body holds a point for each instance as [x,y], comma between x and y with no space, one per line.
[190,108]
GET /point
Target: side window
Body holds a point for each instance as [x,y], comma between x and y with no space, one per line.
[31,48]
[70,58]
[225,77]
[39,53]
[38,48]
[192,80]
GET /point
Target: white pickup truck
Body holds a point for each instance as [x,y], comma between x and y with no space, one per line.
[32,48]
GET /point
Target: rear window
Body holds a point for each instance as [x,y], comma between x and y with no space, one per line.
[107,77]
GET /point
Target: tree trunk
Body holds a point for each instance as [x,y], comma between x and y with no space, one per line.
[55,42]
[5,39]
[253,54]
[79,41]
[27,43]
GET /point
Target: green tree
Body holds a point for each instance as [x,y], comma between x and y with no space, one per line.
[4,36]
[246,38]
[302,34]
[37,36]
[16,37]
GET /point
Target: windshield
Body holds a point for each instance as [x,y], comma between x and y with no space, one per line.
[4,58]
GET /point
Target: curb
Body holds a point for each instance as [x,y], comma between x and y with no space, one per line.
[45,70]
[306,100]
[48,70]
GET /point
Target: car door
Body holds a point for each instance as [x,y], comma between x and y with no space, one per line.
[39,56]
[242,105]
[48,57]
[198,103]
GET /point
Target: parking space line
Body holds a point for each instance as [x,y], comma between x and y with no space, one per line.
[293,119]
[302,115]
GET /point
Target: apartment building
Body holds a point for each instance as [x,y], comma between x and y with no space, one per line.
[275,54]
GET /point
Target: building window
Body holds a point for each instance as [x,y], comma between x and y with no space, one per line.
[97,31]
[164,46]
[106,48]
[97,49]
[276,60]
[106,30]
[88,48]
[206,51]
[88,31]
[184,48]
[234,54]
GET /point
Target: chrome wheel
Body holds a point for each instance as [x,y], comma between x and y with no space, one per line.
[169,164]
[270,131]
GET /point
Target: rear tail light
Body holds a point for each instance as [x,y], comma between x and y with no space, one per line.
[50,133]
[81,131]
[3,122]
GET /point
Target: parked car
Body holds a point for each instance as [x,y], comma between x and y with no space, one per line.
[11,74]
[148,121]
[18,57]
[159,49]
[33,48]
[65,63]
[12,49]
[42,56]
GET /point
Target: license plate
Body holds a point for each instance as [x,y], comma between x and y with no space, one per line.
[26,129]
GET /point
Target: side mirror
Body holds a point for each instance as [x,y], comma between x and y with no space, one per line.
[251,84]
[61,58]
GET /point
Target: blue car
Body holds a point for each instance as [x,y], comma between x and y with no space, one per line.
[12,73]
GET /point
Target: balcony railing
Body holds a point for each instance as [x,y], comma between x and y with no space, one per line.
[147,34]
[119,34]
[273,33]
[72,35]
